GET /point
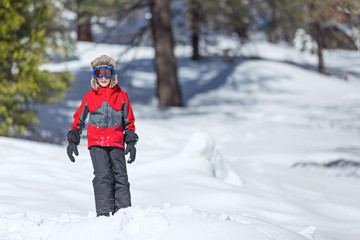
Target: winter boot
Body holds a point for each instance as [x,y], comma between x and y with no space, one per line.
[103,215]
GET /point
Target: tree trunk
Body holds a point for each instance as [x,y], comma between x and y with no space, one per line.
[320,42]
[195,28]
[274,23]
[84,30]
[273,37]
[83,22]
[168,90]
[318,32]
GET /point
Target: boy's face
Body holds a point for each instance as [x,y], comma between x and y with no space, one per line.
[103,82]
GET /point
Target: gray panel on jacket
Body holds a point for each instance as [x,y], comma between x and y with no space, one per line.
[106,116]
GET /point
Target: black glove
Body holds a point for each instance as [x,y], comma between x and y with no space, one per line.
[73,137]
[72,148]
[131,139]
[130,147]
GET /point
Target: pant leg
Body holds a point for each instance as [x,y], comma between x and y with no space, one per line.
[103,181]
[121,183]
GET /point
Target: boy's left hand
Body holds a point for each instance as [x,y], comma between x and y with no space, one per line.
[72,148]
[130,147]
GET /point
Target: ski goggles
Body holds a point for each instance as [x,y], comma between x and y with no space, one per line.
[103,72]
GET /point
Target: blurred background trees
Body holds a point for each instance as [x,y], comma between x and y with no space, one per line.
[330,23]
[327,22]
[34,32]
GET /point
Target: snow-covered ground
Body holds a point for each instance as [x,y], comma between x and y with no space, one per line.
[263,150]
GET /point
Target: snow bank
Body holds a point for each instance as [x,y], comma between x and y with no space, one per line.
[170,221]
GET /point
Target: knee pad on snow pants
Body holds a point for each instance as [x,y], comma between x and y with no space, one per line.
[111,185]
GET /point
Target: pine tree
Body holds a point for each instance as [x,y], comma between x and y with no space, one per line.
[23,47]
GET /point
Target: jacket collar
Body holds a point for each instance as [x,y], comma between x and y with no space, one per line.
[108,89]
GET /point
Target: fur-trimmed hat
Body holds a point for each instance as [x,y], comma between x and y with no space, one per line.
[103,61]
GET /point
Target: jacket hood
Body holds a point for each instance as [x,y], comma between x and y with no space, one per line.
[105,62]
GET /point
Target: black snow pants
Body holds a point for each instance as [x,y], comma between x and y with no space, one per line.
[111,185]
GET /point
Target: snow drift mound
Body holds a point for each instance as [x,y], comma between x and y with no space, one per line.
[169,222]
[201,153]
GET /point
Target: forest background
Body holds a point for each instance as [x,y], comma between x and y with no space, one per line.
[36,32]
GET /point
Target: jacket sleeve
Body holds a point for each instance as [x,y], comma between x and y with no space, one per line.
[80,116]
[129,119]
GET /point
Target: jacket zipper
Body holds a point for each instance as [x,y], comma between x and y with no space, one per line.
[108,107]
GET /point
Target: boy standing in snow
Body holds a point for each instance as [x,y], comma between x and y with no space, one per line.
[111,125]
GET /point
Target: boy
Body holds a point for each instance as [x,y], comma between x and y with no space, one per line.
[111,125]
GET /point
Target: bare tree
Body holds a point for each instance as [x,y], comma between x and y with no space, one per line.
[168,90]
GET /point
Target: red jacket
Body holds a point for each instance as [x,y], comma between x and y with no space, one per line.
[110,116]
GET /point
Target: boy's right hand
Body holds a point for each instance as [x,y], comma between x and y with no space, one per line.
[131,139]
[73,137]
